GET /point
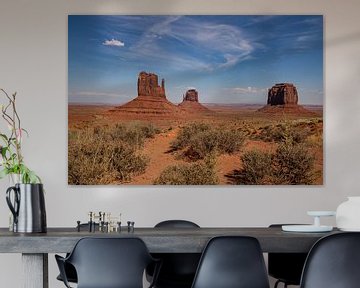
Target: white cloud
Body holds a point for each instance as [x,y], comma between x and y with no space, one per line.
[304,38]
[245,95]
[226,40]
[114,42]
[231,60]
[223,45]
[246,90]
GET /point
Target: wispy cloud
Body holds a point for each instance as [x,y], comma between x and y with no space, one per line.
[201,45]
[305,41]
[113,42]
[246,90]
[244,95]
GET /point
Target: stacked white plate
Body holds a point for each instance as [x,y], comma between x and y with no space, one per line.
[316,227]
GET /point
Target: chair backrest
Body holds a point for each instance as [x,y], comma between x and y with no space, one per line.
[110,262]
[333,262]
[178,269]
[176,224]
[232,262]
[286,266]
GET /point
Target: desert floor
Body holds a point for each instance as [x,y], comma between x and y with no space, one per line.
[158,148]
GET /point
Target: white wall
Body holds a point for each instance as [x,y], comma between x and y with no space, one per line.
[33,62]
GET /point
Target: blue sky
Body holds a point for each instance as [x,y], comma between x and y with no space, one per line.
[228,59]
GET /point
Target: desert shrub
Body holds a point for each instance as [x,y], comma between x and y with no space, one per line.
[133,133]
[202,144]
[230,141]
[256,168]
[72,135]
[93,159]
[249,128]
[201,173]
[280,132]
[290,164]
[293,164]
[186,133]
[315,141]
[147,129]
[200,140]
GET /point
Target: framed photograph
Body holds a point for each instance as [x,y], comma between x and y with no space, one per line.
[195,100]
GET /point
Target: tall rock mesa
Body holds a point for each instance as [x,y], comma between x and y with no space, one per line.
[191,103]
[151,101]
[148,85]
[191,95]
[283,94]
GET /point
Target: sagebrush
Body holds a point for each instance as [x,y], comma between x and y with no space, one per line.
[279,132]
[200,173]
[293,164]
[104,155]
[256,168]
[290,164]
[198,140]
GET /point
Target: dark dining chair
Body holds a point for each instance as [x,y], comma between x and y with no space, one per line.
[286,267]
[232,262]
[333,262]
[178,269]
[108,263]
[70,271]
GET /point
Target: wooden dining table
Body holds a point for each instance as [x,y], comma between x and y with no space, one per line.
[35,247]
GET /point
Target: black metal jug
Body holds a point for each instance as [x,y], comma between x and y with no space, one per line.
[28,208]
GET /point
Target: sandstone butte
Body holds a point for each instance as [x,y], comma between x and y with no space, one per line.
[283,98]
[191,103]
[151,100]
[148,85]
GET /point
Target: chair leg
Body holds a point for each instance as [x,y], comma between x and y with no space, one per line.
[278,282]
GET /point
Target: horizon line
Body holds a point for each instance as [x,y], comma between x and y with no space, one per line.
[203,103]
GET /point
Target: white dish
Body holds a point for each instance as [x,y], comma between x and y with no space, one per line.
[306,228]
[321,213]
[350,229]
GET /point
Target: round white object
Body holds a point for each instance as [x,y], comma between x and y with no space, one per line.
[321,213]
[348,215]
[306,228]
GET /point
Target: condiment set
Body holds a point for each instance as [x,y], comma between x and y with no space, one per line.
[104,222]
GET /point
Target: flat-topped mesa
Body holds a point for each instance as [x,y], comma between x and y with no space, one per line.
[191,95]
[151,101]
[148,85]
[284,98]
[283,94]
[191,103]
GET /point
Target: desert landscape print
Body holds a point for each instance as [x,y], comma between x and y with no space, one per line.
[195,100]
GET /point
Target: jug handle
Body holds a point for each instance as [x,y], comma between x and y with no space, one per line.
[13,208]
